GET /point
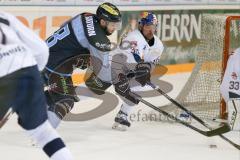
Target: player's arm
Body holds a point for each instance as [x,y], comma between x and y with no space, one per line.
[100,78]
[123,89]
[29,38]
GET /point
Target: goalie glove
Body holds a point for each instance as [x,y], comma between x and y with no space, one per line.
[143,73]
[123,89]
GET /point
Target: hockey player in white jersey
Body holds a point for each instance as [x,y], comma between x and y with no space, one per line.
[22,55]
[230,89]
[145,49]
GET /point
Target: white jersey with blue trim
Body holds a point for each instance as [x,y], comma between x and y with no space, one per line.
[139,46]
[19,46]
[132,50]
[230,87]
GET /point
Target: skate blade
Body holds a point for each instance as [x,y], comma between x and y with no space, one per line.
[119,127]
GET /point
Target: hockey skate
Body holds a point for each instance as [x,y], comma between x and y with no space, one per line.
[121,122]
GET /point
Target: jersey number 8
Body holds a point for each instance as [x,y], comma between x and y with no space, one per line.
[58,35]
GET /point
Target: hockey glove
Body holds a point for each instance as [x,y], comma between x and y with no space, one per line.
[143,73]
[96,85]
[123,89]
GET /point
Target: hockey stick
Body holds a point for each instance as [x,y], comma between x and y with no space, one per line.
[220,130]
[5,118]
[183,108]
[229,141]
[205,133]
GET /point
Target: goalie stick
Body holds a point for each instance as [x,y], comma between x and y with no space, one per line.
[221,131]
[205,133]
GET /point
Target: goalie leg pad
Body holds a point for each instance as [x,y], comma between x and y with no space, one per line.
[234,114]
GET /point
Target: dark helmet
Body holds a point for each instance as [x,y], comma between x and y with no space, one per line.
[108,12]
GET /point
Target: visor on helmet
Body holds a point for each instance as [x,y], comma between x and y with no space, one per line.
[115,25]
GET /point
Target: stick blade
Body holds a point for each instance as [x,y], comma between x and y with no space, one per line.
[218,131]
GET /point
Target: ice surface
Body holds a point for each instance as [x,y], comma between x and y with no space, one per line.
[95,140]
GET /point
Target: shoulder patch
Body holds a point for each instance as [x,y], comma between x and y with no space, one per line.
[94,33]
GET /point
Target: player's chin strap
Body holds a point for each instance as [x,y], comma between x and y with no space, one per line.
[225,128]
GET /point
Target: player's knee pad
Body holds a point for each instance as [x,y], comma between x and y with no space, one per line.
[97,85]
[60,104]
[62,107]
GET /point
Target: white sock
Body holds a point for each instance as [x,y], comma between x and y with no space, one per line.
[62,154]
[53,119]
[48,139]
[125,108]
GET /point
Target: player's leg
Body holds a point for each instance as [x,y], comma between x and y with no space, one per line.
[60,96]
[30,105]
[233,108]
[6,98]
[58,107]
[121,121]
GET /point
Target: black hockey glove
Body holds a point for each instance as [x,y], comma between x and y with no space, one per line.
[143,73]
[96,85]
[123,89]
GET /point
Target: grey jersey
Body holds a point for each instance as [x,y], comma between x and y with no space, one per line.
[80,35]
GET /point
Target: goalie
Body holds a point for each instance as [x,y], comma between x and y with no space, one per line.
[230,89]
